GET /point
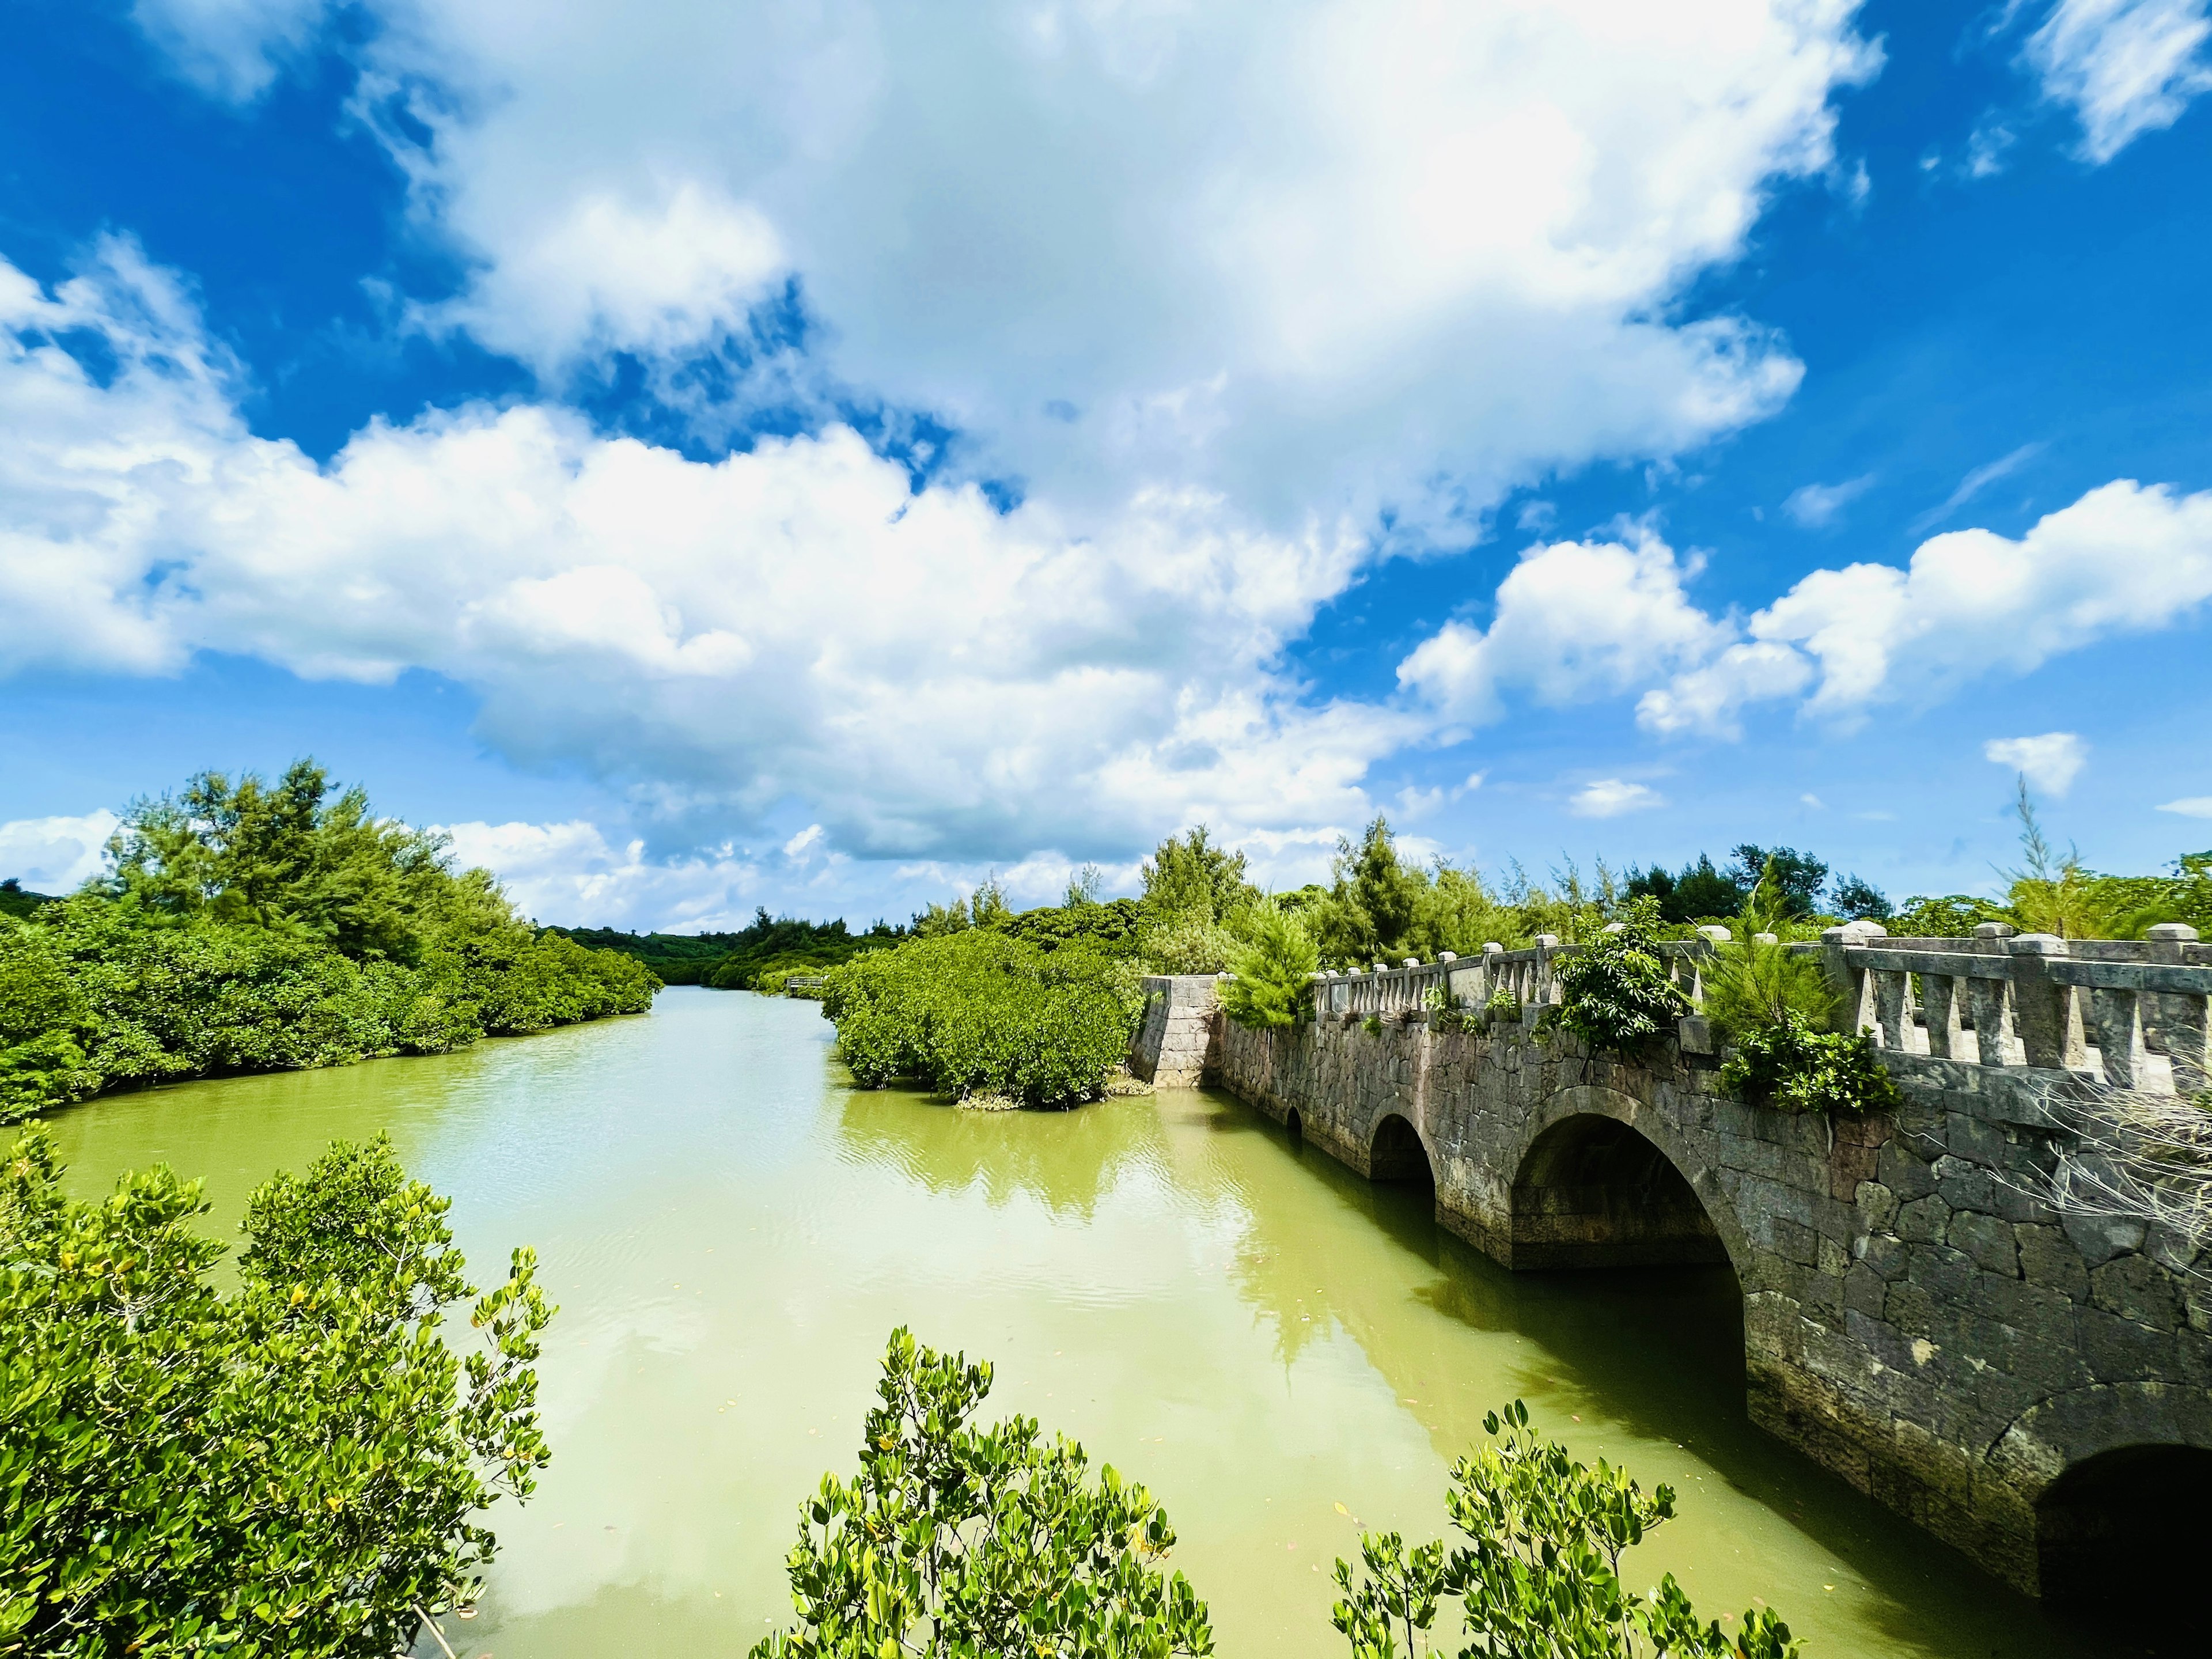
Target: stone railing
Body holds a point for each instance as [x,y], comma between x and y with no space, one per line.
[2127,1012]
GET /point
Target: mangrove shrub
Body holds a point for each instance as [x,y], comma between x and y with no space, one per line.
[956,1540]
[298,1467]
[246,928]
[1539,1577]
[981,1013]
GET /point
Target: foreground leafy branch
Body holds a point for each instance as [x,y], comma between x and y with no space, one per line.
[958,1540]
[297,1468]
[1539,1577]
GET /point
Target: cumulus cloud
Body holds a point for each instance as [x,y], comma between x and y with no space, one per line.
[56,854]
[2125,67]
[2189,806]
[659,277]
[2125,558]
[1572,621]
[935,678]
[1323,256]
[1609,797]
[2051,762]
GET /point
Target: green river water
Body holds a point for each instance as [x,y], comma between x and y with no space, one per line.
[1282,1351]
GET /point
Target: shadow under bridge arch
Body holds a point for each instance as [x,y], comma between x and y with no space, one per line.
[1397,1154]
[1597,1185]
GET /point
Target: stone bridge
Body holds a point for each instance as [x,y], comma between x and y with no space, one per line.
[2034,1388]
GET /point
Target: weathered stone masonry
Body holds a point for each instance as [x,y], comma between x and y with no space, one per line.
[1915,1317]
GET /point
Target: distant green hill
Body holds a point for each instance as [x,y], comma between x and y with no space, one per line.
[771,946]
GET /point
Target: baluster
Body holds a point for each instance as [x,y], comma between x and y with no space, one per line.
[2188,1035]
[1992,1005]
[1892,1006]
[2116,1018]
[2049,1016]
[1941,992]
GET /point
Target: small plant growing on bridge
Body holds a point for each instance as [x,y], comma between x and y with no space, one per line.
[1614,991]
[1789,1065]
[958,1540]
[1539,1577]
[1273,967]
[1503,1005]
[1445,1014]
[1372,1025]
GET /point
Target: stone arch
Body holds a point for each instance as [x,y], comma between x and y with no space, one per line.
[1295,1123]
[2109,1482]
[2118,1533]
[1396,1152]
[1599,1180]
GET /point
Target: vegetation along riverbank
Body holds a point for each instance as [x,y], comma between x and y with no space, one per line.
[245,926]
[979,1001]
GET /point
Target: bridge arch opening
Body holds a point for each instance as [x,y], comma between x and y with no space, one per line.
[2117,1533]
[1396,1155]
[1592,1192]
[1294,1124]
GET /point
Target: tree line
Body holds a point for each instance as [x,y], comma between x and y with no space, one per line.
[243,925]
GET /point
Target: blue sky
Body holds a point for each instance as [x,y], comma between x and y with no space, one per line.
[816,454]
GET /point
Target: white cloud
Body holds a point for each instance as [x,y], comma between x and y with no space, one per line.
[1986,149]
[2189,806]
[1318,255]
[1573,621]
[1609,797]
[1814,802]
[229,49]
[1976,482]
[56,855]
[929,675]
[2051,762]
[1817,506]
[658,276]
[2126,67]
[2124,559]
[569,875]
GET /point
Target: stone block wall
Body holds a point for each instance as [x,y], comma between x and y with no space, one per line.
[1178,1041]
[1916,1318]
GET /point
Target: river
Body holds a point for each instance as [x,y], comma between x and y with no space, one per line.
[1282,1351]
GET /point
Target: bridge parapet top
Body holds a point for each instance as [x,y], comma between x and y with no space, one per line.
[2130,1014]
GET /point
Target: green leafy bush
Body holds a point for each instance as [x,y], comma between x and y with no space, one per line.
[1539,1573]
[1789,1065]
[979,1012]
[249,928]
[1614,993]
[1503,1004]
[295,1467]
[1273,969]
[957,1540]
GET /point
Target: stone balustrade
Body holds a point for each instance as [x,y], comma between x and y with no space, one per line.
[2126,1012]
